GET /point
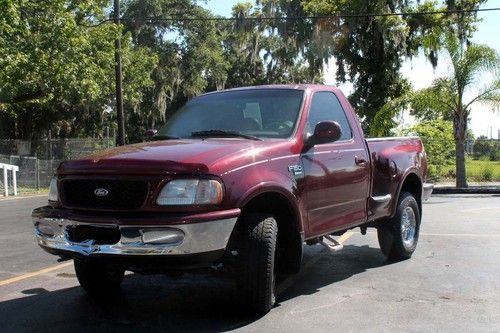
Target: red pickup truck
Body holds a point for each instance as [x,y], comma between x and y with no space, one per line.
[238,181]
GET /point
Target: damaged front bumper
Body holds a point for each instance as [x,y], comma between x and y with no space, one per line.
[77,236]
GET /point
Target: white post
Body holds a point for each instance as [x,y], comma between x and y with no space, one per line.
[5,179]
[14,180]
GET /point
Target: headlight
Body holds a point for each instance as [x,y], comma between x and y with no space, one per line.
[190,192]
[53,195]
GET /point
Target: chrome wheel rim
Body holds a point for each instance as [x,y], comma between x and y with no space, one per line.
[408,226]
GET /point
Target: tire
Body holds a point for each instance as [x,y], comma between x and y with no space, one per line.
[398,237]
[257,275]
[98,279]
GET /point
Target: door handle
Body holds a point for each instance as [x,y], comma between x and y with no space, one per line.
[359,160]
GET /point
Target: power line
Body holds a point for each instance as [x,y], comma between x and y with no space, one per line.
[340,15]
[297,18]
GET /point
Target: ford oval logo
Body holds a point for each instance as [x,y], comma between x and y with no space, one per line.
[101,192]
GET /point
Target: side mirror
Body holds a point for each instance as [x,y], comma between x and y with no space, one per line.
[149,134]
[326,132]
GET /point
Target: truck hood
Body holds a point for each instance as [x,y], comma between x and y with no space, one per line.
[184,156]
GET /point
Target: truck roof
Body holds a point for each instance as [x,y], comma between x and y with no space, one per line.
[312,87]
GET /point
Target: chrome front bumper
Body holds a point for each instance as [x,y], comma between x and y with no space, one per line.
[184,239]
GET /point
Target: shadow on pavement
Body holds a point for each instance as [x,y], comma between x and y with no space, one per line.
[335,267]
[190,303]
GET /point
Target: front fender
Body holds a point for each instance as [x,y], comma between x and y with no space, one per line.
[285,187]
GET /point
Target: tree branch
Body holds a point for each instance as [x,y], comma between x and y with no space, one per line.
[24,97]
[480,96]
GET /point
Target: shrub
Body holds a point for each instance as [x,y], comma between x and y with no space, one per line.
[487,173]
[437,136]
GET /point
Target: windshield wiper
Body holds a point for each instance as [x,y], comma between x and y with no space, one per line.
[163,137]
[222,133]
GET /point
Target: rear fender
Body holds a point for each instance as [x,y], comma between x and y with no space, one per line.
[408,172]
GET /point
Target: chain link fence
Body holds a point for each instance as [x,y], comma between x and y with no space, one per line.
[54,149]
[482,160]
[38,160]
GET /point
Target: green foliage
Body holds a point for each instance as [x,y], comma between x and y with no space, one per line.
[57,70]
[487,173]
[477,171]
[468,62]
[201,56]
[484,149]
[445,99]
[57,59]
[438,142]
[369,50]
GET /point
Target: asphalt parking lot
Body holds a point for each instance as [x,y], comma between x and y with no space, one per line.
[452,283]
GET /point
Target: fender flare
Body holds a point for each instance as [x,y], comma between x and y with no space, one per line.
[274,187]
[408,172]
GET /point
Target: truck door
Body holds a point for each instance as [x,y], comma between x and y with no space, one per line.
[336,183]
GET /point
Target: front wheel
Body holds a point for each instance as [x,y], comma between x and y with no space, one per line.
[98,279]
[257,276]
[398,237]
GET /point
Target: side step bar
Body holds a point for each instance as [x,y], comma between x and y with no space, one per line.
[330,243]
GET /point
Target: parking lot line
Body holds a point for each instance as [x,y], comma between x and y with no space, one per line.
[285,285]
[459,235]
[33,274]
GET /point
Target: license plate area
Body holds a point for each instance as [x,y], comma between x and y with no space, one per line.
[98,235]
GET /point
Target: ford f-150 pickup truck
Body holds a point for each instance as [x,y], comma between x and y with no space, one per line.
[238,181]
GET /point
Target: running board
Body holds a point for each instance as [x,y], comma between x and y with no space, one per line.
[330,243]
[382,198]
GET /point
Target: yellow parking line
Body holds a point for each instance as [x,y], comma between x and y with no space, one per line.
[341,240]
[33,274]
[345,237]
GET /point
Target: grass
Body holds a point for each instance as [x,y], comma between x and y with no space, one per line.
[25,191]
[479,170]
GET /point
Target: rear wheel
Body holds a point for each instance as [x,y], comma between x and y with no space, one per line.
[257,276]
[398,237]
[98,279]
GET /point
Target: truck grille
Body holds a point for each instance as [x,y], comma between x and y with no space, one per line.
[104,194]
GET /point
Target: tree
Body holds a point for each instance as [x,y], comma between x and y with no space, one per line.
[57,67]
[204,55]
[369,50]
[438,140]
[446,98]
[468,63]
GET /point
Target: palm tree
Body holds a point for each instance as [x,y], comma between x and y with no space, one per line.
[469,63]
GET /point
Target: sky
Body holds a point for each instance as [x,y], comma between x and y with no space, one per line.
[419,71]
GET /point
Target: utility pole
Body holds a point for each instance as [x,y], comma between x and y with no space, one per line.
[120,141]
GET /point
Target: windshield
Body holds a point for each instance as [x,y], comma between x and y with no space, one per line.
[261,113]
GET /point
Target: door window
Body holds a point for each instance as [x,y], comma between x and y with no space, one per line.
[325,106]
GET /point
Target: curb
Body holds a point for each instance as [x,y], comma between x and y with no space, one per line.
[468,190]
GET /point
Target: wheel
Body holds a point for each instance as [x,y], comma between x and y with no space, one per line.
[257,275]
[98,279]
[398,237]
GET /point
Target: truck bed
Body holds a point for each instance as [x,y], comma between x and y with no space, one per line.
[392,159]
